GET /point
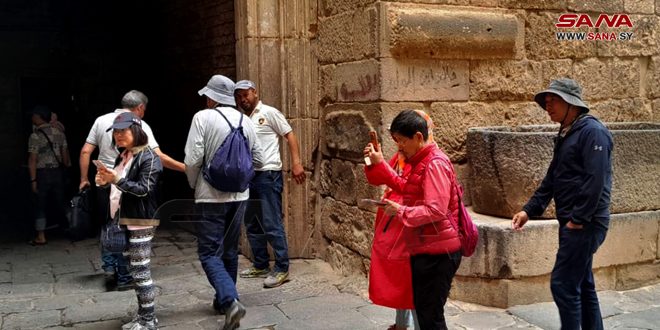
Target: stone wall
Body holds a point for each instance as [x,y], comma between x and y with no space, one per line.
[468,63]
[275,47]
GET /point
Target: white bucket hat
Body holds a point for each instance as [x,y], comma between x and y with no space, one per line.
[219,89]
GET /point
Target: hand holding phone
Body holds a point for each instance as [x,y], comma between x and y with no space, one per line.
[99,164]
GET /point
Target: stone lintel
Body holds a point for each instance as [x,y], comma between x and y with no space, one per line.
[431,31]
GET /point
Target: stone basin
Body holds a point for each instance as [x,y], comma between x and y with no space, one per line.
[508,163]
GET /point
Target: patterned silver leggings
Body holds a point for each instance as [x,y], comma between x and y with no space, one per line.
[139,252]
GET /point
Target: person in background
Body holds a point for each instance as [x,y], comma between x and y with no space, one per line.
[263,219]
[115,265]
[579,179]
[48,156]
[133,183]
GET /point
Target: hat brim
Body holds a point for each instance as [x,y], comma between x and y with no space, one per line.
[215,96]
[570,99]
[121,125]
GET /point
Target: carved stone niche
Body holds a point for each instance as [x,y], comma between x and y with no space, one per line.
[508,164]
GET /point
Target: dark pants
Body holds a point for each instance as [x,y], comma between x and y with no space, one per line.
[572,281]
[217,247]
[114,262]
[431,280]
[263,221]
[50,191]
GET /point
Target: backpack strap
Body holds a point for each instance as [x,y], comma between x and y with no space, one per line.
[240,122]
[51,147]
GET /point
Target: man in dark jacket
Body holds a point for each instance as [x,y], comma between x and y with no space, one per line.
[580,181]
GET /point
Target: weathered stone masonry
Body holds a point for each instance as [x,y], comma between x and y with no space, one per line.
[473,64]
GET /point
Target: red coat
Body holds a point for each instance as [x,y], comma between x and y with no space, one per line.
[390,277]
[422,225]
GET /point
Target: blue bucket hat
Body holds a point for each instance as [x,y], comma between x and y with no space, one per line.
[568,89]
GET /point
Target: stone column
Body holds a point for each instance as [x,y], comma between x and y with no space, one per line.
[274,41]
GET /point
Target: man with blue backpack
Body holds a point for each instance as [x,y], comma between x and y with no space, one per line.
[221,152]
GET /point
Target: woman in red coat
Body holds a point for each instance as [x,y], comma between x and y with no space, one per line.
[424,217]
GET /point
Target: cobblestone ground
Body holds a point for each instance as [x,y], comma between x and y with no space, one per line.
[61,286]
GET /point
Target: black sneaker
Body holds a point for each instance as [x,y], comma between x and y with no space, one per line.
[218,308]
[234,315]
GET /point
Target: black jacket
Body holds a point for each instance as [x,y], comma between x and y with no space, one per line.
[138,202]
[580,175]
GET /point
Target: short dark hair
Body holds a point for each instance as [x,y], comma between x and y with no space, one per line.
[140,138]
[408,123]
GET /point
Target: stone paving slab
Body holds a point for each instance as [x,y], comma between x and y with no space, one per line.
[61,286]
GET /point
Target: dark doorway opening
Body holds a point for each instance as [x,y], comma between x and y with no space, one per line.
[79,58]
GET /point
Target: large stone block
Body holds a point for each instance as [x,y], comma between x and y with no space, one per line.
[553,69]
[346,128]
[645,39]
[505,254]
[401,80]
[639,6]
[348,36]
[638,232]
[594,75]
[426,31]
[627,110]
[334,7]
[307,131]
[652,83]
[610,6]
[338,180]
[344,260]
[504,293]
[609,78]
[358,81]
[273,18]
[508,266]
[637,275]
[533,4]
[511,162]
[462,116]
[505,80]
[347,226]
[424,80]
[541,42]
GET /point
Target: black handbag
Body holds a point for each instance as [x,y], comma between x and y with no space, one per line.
[114,237]
[80,219]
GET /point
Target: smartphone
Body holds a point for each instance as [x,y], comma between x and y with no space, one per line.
[367,201]
[374,140]
[98,163]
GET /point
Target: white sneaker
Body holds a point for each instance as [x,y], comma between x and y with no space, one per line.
[137,324]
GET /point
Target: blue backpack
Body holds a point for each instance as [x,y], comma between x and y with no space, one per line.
[231,168]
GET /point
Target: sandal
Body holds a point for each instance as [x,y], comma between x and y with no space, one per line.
[37,243]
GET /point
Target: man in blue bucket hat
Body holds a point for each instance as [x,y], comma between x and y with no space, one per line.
[579,180]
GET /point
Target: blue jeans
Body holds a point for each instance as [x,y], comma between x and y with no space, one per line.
[263,221]
[217,247]
[118,264]
[572,280]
